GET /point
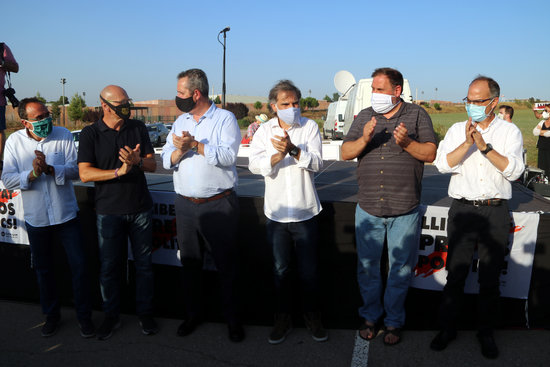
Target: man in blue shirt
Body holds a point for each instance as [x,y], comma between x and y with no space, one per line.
[40,160]
[202,150]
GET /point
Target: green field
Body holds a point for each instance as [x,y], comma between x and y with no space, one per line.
[524,119]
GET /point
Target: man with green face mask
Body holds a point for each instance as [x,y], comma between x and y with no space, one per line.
[40,160]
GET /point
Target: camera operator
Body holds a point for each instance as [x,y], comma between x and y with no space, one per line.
[7,64]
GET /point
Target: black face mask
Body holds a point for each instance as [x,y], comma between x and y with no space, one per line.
[122,111]
[185,104]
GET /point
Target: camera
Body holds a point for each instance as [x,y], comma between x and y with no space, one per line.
[10,95]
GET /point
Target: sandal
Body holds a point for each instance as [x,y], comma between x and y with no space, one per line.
[394,332]
[372,330]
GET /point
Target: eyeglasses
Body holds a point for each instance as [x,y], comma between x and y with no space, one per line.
[476,101]
[129,100]
[39,118]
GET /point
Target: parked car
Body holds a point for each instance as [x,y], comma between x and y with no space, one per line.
[169,126]
[157,133]
[76,137]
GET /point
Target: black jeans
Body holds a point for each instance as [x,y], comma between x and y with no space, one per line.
[299,239]
[486,227]
[210,226]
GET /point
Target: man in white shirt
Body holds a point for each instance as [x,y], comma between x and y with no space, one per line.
[286,150]
[40,160]
[483,154]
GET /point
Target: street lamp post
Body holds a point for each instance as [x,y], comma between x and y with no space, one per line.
[224,31]
[63,81]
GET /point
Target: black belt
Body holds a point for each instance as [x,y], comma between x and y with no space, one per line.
[211,198]
[486,202]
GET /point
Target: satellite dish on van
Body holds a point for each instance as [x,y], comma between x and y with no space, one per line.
[343,81]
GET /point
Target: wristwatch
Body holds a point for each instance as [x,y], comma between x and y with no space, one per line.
[294,151]
[195,148]
[487,150]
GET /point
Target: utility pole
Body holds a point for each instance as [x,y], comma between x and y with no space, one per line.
[224,31]
[63,81]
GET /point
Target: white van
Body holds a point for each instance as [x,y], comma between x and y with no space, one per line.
[360,98]
[334,123]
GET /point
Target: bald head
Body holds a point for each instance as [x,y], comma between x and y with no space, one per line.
[114,93]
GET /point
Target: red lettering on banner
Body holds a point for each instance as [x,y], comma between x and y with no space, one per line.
[428,265]
[514,229]
[6,195]
[163,231]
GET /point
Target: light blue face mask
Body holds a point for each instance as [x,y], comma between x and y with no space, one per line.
[291,115]
[477,113]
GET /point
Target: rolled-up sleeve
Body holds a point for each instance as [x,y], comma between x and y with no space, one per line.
[224,153]
[311,156]
[259,160]
[69,170]
[514,153]
[167,150]
[11,176]
[452,140]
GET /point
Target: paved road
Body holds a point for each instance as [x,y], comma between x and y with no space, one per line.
[22,345]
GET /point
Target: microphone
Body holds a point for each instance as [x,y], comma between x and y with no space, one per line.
[226,29]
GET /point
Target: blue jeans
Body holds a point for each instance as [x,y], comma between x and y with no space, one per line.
[287,240]
[112,233]
[42,244]
[403,235]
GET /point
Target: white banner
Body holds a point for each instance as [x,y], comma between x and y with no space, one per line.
[12,220]
[165,246]
[515,279]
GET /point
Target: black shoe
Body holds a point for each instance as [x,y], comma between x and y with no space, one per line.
[87,328]
[51,326]
[188,326]
[282,327]
[236,332]
[442,339]
[148,325]
[488,346]
[315,326]
[106,329]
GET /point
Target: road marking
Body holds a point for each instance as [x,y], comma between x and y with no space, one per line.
[360,357]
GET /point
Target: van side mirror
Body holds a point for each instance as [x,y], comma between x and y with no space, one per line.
[340,117]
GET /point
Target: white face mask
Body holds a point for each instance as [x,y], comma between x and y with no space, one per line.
[382,103]
[500,116]
[291,115]
[545,115]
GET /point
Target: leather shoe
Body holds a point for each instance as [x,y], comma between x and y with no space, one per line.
[442,339]
[188,326]
[236,332]
[488,346]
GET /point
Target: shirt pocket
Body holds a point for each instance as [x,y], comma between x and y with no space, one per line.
[55,159]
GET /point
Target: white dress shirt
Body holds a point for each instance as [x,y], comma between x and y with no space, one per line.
[538,129]
[47,200]
[475,177]
[290,194]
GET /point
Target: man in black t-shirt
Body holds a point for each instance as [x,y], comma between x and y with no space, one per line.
[114,152]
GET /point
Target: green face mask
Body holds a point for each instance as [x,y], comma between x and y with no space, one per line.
[42,128]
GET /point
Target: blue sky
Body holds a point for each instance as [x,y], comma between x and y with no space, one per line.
[143,45]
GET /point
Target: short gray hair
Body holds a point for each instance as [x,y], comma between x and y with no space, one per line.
[283,85]
[196,79]
[494,88]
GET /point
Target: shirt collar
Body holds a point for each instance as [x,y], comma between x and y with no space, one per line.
[208,114]
[103,126]
[274,122]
